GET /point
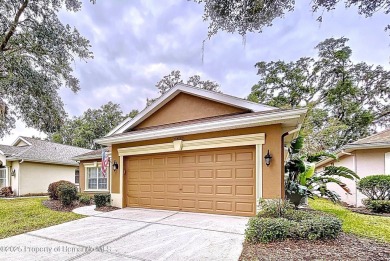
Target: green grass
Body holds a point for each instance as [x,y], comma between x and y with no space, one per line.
[374,227]
[18,216]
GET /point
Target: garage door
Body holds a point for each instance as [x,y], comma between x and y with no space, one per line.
[219,181]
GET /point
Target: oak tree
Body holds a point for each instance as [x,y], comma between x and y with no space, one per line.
[36,55]
[174,78]
[346,100]
[244,16]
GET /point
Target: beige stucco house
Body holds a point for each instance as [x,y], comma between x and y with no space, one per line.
[195,150]
[368,156]
[29,165]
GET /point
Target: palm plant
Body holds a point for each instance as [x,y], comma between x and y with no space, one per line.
[303,181]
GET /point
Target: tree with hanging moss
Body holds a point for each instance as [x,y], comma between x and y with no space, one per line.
[246,16]
[36,55]
[347,100]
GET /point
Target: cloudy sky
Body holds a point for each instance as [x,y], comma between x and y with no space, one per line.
[136,43]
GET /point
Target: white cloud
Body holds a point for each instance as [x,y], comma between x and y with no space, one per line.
[135,43]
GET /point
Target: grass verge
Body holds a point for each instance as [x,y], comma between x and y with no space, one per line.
[374,227]
[18,216]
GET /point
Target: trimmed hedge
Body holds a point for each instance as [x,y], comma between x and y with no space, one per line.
[375,187]
[279,221]
[317,228]
[266,230]
[85,198]
[67,193]
[53,188]
[102,200]
[377,206]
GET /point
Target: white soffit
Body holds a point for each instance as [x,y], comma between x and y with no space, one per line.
[182,88]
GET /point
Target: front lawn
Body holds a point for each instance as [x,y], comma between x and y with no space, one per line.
[18,216]
[374,227]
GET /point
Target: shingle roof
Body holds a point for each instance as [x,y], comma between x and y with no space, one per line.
[380,137]
[43,151]
[95,154]
[10,150]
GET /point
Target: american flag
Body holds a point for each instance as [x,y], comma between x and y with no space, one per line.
[105,163]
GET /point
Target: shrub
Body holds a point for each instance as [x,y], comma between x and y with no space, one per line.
[274,208]
[266,230]
[53,188]
[85,199]
[102,200]
[67,193]
[377,206]
[298,215]
[6,191]
[317,227]
[375,187]
[296,224]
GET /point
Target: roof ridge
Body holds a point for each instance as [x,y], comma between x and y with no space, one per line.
[192,90]
[225,94]
[52,142]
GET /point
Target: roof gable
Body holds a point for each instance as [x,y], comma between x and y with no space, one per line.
[186,107]
[220,98]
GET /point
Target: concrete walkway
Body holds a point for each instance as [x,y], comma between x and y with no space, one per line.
[87,211]
[133,234]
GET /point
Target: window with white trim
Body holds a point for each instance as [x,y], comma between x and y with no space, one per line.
[3,177]
[77,177]
[95,179]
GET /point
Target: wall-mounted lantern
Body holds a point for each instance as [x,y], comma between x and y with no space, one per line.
[267,159]
[115,165]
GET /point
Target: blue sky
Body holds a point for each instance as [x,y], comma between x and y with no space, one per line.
[136,43]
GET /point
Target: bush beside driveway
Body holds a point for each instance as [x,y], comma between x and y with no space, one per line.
[22,215]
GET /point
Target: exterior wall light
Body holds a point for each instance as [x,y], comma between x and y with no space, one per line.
[115,165]
[267,159]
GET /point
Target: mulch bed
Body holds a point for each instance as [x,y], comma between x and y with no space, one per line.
[345,247]
[57,206]
[365,211]
[106,209]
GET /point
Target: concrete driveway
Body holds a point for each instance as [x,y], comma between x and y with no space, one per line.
[133,234]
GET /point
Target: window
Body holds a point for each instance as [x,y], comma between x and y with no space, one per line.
[76,176]
[3,177]
[95,179]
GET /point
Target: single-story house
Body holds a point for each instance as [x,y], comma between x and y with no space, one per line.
[197,150]
[367,156]
[29,165]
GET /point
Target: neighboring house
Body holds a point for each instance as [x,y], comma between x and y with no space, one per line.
[368,156]
[196,150]
[29,165]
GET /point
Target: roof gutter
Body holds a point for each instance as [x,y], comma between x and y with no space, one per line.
[217,125]
[42,161]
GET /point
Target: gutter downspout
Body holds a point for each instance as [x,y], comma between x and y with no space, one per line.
[356,190]
[19,174]
[282,150]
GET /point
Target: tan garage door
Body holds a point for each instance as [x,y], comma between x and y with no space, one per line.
[219,181]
